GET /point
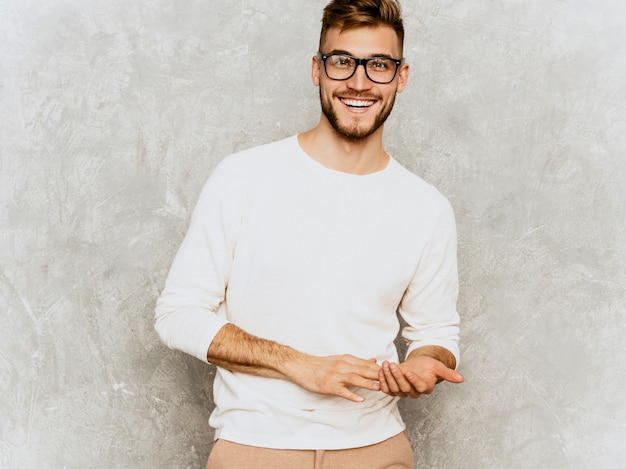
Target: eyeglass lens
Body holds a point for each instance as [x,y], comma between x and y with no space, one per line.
[378,69]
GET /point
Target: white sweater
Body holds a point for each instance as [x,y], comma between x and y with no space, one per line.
[319,260]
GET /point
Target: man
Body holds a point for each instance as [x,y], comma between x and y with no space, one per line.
[299,254]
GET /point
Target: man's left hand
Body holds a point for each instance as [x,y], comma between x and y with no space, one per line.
[416,376]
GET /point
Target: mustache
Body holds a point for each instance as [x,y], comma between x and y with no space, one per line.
[356,95]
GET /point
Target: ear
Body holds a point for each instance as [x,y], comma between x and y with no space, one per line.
[403,77]
[316,69]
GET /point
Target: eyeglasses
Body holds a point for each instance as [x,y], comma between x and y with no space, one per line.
[380,70]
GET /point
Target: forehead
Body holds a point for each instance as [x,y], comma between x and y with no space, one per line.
[362,41]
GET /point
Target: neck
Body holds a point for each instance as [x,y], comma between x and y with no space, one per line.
[330,149]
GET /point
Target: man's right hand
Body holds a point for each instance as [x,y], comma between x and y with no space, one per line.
[334,375]
[236,350]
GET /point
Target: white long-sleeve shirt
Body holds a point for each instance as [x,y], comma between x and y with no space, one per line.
[320,260]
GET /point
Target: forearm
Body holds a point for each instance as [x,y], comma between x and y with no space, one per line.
[236,350]
[438,353]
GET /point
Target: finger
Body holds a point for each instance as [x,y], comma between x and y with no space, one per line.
[370,372]
[356,380]
[421,386]
[455,377]
[389,378]
[366,368]
[407,387]
[384,387]
[349,395]
[370,362]
[404,384]
[448,374]
[344,389]
[384,383]
[392,383]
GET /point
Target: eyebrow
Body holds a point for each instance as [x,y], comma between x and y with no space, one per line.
[345,52]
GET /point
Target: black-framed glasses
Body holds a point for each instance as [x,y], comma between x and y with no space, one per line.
[380,70]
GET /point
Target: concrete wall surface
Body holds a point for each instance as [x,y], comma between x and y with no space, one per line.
[113,114]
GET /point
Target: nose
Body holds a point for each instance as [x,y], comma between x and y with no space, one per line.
[359,81]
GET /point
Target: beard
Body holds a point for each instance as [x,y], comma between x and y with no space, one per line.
[354,131]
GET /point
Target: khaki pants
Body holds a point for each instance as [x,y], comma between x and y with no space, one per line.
[394,453]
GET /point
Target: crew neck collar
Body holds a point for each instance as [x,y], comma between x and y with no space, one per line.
[312,162]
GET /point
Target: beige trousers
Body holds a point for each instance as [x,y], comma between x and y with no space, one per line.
[394,453]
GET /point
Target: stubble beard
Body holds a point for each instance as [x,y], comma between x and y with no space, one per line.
[354,131]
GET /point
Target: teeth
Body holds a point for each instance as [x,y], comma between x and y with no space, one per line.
[357,103]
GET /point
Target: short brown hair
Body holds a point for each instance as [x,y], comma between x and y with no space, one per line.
[347,14]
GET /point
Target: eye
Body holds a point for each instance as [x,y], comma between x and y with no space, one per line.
[342,61]
[379,65]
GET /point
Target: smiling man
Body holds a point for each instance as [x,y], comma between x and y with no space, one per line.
[298,257]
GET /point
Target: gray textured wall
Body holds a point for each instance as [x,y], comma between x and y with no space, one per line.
[113,114]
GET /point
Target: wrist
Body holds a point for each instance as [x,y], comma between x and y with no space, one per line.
[295,365]
[435,352]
